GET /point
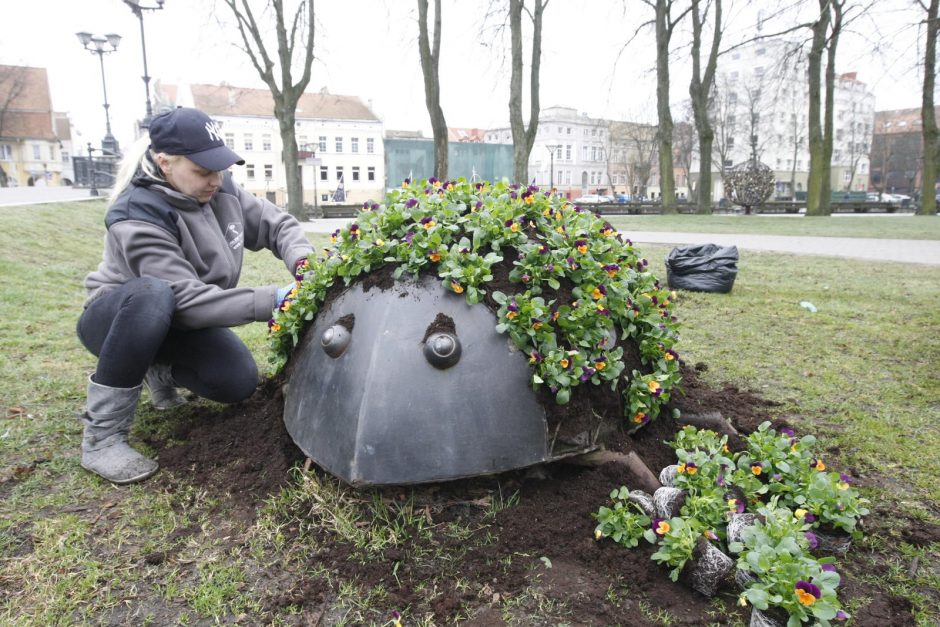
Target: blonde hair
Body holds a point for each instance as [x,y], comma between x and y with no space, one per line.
[139,158]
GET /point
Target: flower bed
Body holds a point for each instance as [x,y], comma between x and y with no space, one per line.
[575,290]
[790,495]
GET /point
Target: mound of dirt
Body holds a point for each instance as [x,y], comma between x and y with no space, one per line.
[242,454]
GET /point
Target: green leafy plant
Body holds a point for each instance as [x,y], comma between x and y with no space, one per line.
[677,539]
[775,550]
[624,523]
[577,285]
[782,465]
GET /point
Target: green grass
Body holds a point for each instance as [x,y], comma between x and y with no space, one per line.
[861,372]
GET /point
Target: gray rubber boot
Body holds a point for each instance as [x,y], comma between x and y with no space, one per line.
[162,387]
[105,450]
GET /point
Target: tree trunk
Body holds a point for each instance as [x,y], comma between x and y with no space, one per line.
[430,61]
[699,89]
[814,187]
[667,182]
[523,137]
[928,202]
[285,92]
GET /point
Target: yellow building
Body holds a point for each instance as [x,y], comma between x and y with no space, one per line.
[30,150]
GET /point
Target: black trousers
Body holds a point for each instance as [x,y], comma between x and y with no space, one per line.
[129,328]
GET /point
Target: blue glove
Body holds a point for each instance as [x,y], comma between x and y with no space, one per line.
[282,292]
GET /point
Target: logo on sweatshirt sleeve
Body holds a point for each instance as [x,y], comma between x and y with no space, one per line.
[234,235]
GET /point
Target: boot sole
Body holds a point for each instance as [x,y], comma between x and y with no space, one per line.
[135,479]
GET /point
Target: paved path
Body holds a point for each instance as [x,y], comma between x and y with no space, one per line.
[37,195]
[903,250]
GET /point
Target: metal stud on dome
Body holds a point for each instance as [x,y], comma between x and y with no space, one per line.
[442,350]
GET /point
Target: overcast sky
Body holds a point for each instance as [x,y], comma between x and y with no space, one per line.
[368,48]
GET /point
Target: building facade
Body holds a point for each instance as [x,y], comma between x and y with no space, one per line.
[897,151]
[31,151]
[340,137]
[569,153]
[761,107]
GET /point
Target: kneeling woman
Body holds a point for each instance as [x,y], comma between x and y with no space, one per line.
[161,300]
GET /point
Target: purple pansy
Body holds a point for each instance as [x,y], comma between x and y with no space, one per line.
[813,540]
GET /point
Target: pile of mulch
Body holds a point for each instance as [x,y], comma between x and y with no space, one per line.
[242,454]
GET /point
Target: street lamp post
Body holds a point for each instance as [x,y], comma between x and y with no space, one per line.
[95,44]
[138,9]
[91,171]
[551,167]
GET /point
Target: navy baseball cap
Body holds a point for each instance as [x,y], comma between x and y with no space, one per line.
[193,134]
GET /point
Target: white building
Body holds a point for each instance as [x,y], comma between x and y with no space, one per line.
[580,145]
[762,96]
[343,134]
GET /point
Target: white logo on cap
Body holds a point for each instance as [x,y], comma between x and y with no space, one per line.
[214,131]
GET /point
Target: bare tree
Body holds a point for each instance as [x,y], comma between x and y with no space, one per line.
[724,123]
[12,83]
[665,27]
[635,150]
[294,46]
[430,61]
[523,136]
[928,203]
[826,30]
[685,148]
[701,87]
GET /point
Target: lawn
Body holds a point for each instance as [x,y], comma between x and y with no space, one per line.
[860,372]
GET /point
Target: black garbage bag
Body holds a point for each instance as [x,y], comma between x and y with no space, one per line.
[702,268]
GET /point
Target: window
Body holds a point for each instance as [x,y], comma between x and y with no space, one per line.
[593,154]
[568,151]
[569,130]
[567,178]
[733,98]
[65,155]
[731,142]
[370,145]
[268,172]
[339,144]
[371,173]
[322,143]
[761,51]
[728,163]
[759,71]
[354,144]
[250,171]
[37,151]
[266,141]
[249,142]
[355,172]
[324,173]
[230,140]
[339,173]
[301,141]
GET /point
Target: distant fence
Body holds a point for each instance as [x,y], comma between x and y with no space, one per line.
[655,208]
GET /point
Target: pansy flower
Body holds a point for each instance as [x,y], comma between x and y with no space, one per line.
[829,568]
[611,269]
[817,464]
[807,592]
[600,365]
[599,292]
[757,468]
[670,354]
[812,539]
[641,418]
[564,362]
[841,616]
[654,388]
[535,357]
[412,202]
[434,256]
[736,506]
[661,527]
[457,287]
[587,372]
[711,535]
[353,231]
[512,309]
[581,245]
[434,181]
[406,183]
[428,222]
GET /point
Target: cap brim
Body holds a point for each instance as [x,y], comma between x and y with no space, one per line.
[216,159]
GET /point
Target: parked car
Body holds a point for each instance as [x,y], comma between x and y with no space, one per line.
[591,199]
[623,199]
[872,197]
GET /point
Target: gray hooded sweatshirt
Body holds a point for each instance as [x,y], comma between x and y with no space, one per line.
[158,232]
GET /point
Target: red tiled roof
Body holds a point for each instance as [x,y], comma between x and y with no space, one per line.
[899,121]
[25,103]
[247,101]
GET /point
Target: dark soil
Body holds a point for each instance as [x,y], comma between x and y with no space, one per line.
[242,454]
